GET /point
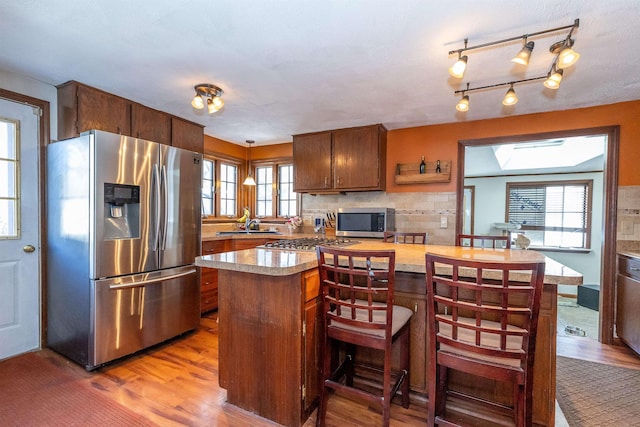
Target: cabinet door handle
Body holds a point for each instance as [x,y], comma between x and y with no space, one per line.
[415,307]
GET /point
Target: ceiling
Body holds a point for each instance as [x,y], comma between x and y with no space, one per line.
[296,66]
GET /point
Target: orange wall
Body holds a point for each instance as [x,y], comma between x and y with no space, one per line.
[441,141]
[214,145]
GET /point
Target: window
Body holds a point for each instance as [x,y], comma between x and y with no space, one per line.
[228,189]
[208,188]
[287,200]
[264,191]
[9,177]
[552,214]
[268,173]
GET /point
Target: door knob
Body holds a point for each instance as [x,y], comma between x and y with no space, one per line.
[28,248]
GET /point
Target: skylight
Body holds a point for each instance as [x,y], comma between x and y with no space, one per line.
[547,154]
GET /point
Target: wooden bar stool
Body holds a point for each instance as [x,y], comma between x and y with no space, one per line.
[358,310]
[405,237]
[484,325]
[494,242]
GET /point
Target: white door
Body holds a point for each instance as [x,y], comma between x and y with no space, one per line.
[19,229]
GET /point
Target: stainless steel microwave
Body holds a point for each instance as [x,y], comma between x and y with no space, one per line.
[365,222]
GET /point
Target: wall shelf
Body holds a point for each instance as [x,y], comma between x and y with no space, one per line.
[409,173]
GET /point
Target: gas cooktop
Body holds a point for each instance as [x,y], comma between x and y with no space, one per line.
[306,243]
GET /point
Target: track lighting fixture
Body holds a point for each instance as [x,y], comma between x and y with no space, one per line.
[523,56]
[554,79]
[510,97]
[564,57]
[458,68]
[212,94]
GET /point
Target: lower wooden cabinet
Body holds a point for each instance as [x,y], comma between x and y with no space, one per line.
[628,300]
[209,276]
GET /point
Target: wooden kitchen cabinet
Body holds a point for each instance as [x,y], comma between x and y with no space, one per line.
[209,276]
[359,158]
[82,108]
[628,301]
[187,135]
[312,162]
[268,349]
[352,159]
[150,124]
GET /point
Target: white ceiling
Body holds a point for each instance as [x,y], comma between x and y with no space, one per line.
[295,66]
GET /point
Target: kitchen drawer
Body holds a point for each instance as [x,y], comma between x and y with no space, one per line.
[214,247]
[208,300]
[629,267]
[209,279]
[311,280]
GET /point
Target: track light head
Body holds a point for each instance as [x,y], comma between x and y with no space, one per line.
[457,69]
[554,79]
[510,97]
[463,104]
[566,55]
[523,56]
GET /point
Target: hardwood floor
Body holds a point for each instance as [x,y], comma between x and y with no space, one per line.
[176,384]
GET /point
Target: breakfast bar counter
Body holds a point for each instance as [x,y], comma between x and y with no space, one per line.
[269,309]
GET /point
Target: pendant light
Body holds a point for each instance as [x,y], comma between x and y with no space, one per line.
[249,179]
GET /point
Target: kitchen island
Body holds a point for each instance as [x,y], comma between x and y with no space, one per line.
[268,339]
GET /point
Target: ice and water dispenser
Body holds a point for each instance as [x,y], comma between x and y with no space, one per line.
[121,211]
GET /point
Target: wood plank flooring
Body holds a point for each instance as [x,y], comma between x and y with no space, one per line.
[176,384]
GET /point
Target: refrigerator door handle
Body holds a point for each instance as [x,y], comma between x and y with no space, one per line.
[155,203]
[150,281]
[165,208]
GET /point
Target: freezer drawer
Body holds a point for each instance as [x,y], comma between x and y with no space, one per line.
[135,312]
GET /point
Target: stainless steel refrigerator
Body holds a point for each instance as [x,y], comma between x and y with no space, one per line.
[123,232]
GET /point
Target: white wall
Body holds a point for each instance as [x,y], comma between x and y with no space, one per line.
[490,206]
[35,89]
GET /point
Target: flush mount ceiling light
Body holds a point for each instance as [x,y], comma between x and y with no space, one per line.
[564,56]
[249,179]
[209,95]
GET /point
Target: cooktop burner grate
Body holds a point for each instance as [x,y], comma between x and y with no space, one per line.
[306,243]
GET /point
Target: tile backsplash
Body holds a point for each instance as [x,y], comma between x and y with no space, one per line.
[414,211]
[424,211]
[628,225]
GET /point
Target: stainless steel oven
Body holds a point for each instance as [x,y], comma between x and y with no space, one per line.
[365,222]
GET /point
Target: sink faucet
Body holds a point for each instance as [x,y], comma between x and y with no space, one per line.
[252,222]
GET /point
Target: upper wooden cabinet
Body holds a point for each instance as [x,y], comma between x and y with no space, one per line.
[82,108]
[312,163]
[187,135]
[352,159]
[150,124]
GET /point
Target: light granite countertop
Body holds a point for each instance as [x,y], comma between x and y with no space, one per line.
[409,258]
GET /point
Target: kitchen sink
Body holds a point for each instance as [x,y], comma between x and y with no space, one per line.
[221,233]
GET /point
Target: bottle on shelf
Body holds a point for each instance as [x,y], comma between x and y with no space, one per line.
[438,170]
[422,166]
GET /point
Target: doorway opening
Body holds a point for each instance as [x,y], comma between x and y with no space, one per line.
[598,236]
